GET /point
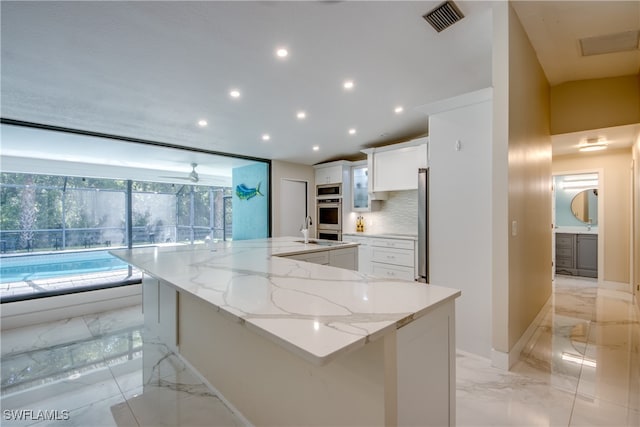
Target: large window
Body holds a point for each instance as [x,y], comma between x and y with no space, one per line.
[56,229]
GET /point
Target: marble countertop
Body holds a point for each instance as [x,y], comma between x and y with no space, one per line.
[316,311]
[384,235]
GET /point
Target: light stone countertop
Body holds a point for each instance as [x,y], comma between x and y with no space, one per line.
[316,311]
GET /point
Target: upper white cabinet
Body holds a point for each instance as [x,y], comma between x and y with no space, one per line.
[361,200]
[395,167]
[333,173]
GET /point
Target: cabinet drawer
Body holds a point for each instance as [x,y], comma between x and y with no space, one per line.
[392,271]
[392,256]
[564,252]
[393,243]
[564,240]
[564,262]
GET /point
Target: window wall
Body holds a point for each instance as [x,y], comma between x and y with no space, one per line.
[64,206]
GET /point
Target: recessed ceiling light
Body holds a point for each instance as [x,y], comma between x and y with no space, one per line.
[316,148]
[352,131]
[202,123]
[398,109]
[301,115]
[266,137]
[593,147]
[348,84]
[234,93]
[282,53]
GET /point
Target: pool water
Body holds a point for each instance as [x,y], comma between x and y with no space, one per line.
[32,267]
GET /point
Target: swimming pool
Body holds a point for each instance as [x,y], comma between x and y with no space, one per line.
[32,267]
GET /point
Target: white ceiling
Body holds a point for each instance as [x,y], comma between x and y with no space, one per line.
[151,70]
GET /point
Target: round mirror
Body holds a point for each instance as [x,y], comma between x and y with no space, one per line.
[584,206]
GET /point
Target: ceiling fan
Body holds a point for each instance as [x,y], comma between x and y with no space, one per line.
[193,175]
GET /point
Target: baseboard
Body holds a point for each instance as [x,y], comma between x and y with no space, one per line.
[50,309]
[505,361]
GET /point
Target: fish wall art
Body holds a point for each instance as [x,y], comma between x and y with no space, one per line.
[245,193]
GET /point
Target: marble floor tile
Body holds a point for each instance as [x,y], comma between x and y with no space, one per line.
[187,406]
[490,396]
[111,412]
[581,367]
[599,413]
[116,320]
[45,335]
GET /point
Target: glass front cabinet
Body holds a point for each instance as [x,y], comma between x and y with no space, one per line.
[360,194]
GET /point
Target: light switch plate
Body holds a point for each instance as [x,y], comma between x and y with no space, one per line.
[514,228]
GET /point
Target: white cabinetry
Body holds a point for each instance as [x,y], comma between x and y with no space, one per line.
[344,258]
[329,175]
[386,257]
[364,252]
[393,258]
[395,167]
[338,257]
[361,197]
[313,257]
[337,172]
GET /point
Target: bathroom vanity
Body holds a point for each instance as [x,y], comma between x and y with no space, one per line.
[288,342]
[577,254]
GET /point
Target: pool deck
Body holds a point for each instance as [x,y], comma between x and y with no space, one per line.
[30,287]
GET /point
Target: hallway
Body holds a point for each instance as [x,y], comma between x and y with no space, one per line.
[580,368]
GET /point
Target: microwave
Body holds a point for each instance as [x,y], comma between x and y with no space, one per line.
[327,191]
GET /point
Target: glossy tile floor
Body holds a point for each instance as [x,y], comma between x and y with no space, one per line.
[580,368]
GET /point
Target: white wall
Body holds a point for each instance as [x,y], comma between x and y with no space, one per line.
[294,171]
[460,217]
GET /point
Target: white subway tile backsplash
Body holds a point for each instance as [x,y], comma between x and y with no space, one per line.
[398,214]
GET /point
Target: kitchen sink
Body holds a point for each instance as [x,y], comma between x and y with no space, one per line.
[321,242]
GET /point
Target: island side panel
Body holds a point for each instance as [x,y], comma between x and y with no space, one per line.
[272,386]
[425,360]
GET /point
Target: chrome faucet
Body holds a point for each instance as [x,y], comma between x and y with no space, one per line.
[305,228]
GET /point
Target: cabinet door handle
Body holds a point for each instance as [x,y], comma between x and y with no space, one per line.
[390,257]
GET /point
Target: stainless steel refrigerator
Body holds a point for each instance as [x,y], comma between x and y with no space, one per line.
[423,225]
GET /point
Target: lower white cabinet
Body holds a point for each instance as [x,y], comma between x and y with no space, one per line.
[160,302]
[386,257]
[313,257]
[364,252]
[339,257]
[344,258]
[392,271]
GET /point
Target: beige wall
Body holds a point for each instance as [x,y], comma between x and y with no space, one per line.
[636,219]
[521,184]
[616,193]
[500,180]
[529,183]
[593,104]
[280,170]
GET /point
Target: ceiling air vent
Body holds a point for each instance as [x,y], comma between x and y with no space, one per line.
[443,16]
[610,43]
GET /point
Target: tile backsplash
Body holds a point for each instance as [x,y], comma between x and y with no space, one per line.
[398,214]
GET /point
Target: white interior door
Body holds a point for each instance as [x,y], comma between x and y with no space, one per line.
[293,206]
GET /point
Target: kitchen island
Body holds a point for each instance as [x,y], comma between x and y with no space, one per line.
[289,342]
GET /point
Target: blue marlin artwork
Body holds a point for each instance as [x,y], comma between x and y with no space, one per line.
[245,193]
